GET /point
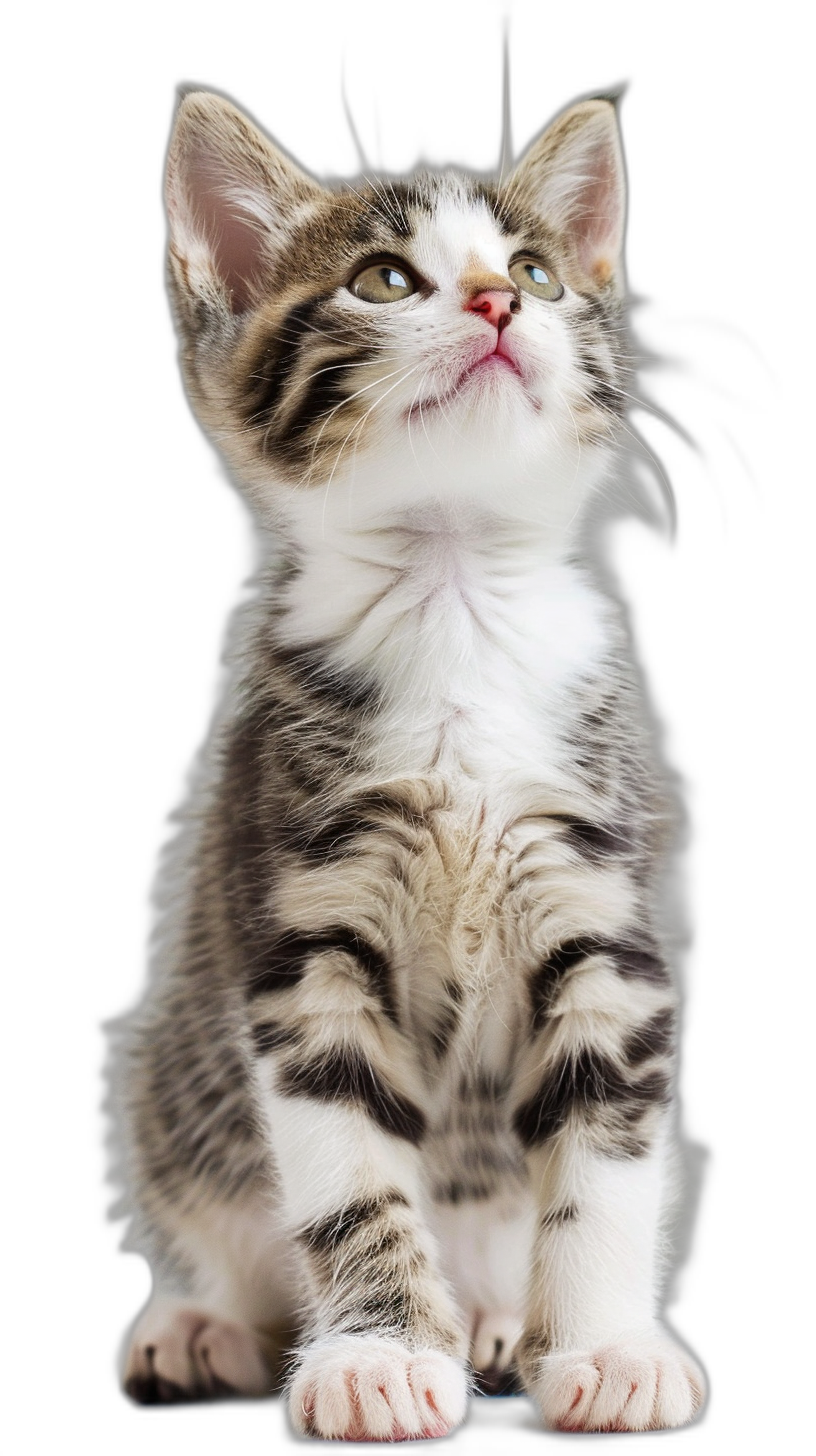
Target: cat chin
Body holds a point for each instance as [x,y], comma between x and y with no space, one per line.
[514,463]
[493,382]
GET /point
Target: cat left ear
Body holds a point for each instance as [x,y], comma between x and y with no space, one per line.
[232,198]
[574,177]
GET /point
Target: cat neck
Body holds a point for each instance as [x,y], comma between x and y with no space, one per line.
[463,617]
[430,560]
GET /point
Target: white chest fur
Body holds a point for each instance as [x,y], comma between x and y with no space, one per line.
[472,627]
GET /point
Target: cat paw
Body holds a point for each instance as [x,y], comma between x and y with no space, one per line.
[645,1384]
[366,1388]
[184,1354]
[495,1337]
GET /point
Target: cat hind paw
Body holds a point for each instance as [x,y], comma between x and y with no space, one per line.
[181,1354]
[368,1388]
[493,1346]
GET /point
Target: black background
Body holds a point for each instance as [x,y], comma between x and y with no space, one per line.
[169,545]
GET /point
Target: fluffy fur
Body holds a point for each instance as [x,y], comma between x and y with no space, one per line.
[398,1097]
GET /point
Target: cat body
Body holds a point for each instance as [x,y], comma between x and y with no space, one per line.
[400,1091]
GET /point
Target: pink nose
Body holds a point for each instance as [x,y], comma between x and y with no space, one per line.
[495,305]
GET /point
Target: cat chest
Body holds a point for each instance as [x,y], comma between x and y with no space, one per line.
[452,888]
[464,645]
[476,698]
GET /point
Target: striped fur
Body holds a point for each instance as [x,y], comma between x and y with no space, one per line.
[398,1094]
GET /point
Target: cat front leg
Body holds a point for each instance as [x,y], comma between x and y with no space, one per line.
[594,1355]
[384,1347]
[593,1119]
[383,1355]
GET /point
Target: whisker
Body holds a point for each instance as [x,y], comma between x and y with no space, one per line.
[356,395]
[406,375]
[358,426]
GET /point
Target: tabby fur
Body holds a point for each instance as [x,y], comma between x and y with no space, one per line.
[398,1100]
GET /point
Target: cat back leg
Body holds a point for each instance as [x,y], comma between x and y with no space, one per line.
[224,1308]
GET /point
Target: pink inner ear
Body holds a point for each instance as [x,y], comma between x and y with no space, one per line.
[232,234]
[598,216]
[573,176]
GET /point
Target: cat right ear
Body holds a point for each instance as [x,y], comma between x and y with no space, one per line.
[232,198]
[573,175]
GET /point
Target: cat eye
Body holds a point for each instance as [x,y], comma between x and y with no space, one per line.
[383,283]
[531,275]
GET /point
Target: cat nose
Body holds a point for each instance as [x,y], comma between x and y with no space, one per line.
[496,305]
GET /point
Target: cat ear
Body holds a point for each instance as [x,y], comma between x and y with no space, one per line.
[574,176]
[231,199]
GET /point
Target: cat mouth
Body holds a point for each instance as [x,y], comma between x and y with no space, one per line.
[495,361]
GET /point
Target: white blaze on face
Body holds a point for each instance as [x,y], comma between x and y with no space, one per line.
[461,235]
[510,417]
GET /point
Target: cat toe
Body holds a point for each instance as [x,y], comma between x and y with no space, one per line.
[151,1389]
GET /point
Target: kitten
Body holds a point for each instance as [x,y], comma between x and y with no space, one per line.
[400,1094]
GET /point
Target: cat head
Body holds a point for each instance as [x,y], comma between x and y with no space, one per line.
[394,342]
